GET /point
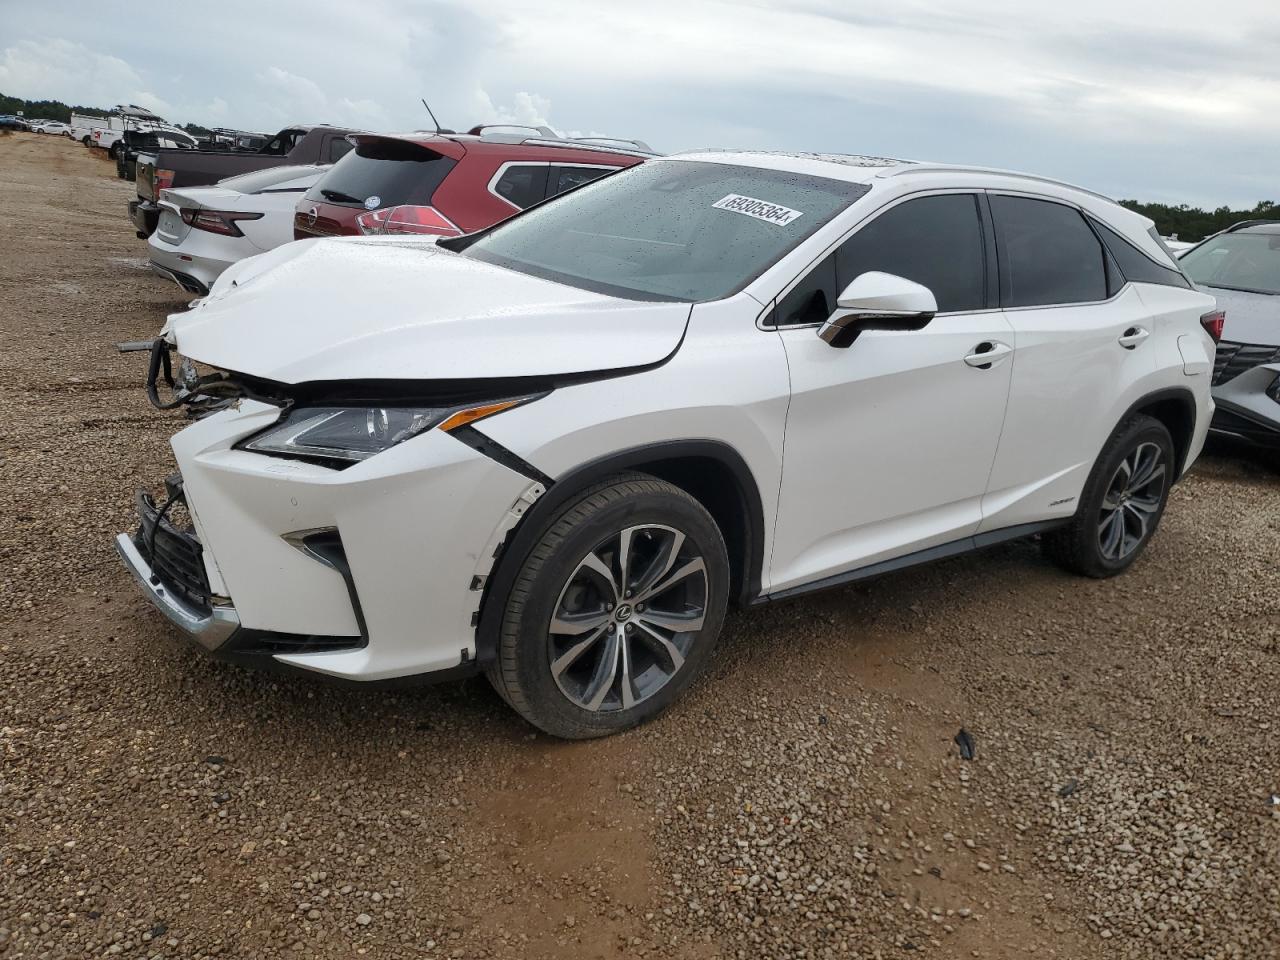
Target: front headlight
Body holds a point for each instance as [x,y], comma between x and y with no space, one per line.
[352,434]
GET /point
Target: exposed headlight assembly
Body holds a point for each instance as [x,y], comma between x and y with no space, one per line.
[352,434]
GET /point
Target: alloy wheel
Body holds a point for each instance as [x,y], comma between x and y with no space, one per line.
[628,617]
[1132,502]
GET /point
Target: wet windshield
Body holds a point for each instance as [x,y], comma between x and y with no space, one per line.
[668,229]
[1237,261]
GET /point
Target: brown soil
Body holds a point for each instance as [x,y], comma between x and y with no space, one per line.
[806,799]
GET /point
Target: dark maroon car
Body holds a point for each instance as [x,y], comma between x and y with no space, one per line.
[447,184]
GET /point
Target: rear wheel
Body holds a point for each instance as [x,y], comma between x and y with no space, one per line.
[1122,503]
[615,611]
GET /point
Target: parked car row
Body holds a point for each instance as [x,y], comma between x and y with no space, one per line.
[10,122]
[168,167]
[434,184]
[588,396]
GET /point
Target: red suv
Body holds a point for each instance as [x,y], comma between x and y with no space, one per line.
[446,184]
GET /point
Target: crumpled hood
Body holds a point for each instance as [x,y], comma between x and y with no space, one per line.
[1251,317]
[403,309]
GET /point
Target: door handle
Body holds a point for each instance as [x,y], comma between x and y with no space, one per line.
[1134,336]
[987,354]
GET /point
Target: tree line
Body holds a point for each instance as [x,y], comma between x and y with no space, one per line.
[1193,223]
[57,110]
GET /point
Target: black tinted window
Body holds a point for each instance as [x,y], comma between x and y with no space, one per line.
[339,149]
[813,299]
[935,241]
[1048,254]
[383,173]
[522,184]
[569,177]
[1135,265]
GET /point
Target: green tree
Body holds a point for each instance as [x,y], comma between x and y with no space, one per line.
[1193,223]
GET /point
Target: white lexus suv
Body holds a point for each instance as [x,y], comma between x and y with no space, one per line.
[556,450]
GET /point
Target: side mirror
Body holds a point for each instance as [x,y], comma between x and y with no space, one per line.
[878,301]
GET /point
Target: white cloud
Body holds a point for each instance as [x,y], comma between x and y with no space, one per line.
[52,68]
[1134,98]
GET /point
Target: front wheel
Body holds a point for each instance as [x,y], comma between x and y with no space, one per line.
[1122,503]
[615,611]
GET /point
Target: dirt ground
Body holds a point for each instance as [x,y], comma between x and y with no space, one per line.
[806,800]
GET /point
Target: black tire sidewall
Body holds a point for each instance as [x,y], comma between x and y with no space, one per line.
[1142,430]
[543,695]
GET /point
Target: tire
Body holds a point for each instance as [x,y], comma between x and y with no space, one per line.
[114,151]
[624,663]
[1122,503]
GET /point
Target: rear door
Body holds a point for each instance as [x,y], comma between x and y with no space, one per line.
[1083,337]
[889,443]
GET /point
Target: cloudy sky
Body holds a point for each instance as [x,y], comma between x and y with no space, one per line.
[1175,100]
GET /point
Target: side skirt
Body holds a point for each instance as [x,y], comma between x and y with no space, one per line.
[928,555]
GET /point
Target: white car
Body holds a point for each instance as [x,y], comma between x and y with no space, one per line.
[51,126]
[556,450]
[204,230]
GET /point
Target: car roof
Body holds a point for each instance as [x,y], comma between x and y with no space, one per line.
[506,144]
[859,168]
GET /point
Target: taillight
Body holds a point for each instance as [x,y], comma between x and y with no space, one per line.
[1213,322]
[216,221]
[407,219]
[162,179]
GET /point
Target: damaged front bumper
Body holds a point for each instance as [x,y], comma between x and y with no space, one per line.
[168,564]
[211,628]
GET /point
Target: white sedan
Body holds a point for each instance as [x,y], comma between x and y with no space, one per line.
[204,230]
[50,126]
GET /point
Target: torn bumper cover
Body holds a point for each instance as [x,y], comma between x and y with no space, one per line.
[168,563]
[210,628]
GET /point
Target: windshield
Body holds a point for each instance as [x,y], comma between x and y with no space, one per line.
[1237,261]
[669,229]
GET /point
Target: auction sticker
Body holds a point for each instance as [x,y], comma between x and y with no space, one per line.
[760,209]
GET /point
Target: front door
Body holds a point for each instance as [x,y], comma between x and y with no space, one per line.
[890,442]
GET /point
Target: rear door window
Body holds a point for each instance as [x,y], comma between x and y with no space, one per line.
[339,148]
[522,184]
[383,173]
[566,178]
[935,241]
[1048,254]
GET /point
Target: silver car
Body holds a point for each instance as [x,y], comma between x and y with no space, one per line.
[1241,267]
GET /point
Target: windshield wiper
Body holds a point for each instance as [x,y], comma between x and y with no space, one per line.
[337,196]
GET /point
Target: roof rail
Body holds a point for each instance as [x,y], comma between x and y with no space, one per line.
[606,141]
[1256,222]
[545,132]
[593,147]
[924,167]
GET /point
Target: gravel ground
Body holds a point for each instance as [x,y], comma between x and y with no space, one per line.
[806,800]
